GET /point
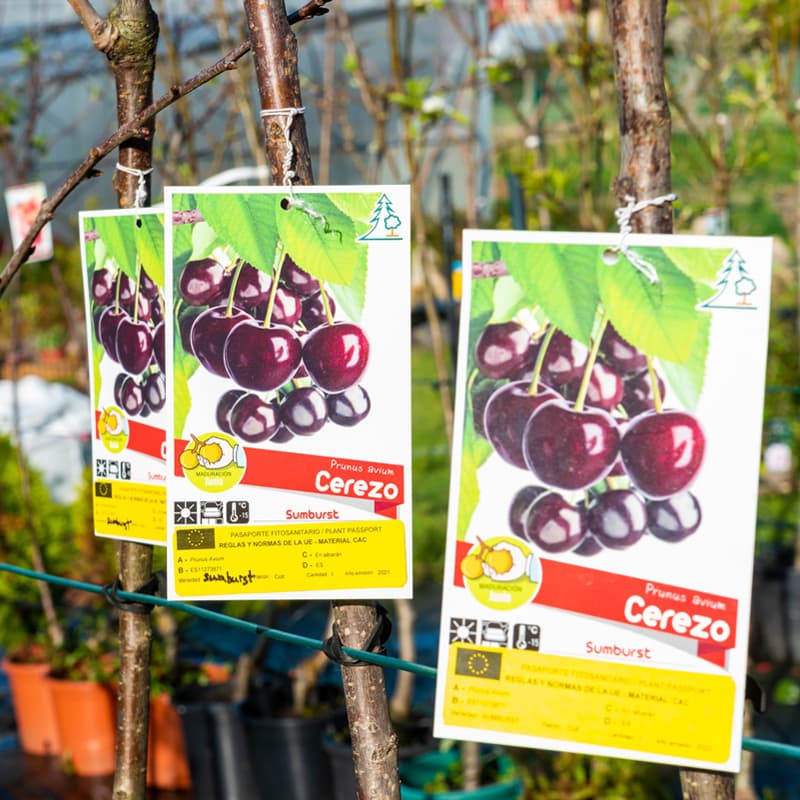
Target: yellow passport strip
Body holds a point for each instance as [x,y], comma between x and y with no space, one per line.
[232,560]
[679,714]
[131,511]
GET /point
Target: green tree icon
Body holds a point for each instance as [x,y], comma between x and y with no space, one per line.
[384,221]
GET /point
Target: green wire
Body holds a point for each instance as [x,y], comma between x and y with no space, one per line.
[755,745]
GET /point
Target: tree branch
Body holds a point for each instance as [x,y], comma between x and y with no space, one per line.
[86,169]
[102,32]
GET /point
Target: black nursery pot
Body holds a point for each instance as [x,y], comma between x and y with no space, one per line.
[415,736]
[287,757]
[286,751]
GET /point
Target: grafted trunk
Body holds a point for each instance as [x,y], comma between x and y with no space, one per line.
[275,50]
[637,33]
[132,61]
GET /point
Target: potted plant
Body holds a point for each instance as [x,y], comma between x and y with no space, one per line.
[30,524]
[438,775]
[83,676]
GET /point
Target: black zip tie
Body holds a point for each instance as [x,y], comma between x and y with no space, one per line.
[155,586]
[381,631]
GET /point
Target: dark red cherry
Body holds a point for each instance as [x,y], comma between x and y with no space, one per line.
[502,349]
[637,396]
[564,360]
[604,389]
[131,396]
[186,319]
[349,407]
[296,279]
[336,356]
[252,286]
[553,525]
[617,518]
[201,281]
[287,308]
[154,390]
[224,405]
[304,411]
[313,313]
[620,354]
[134,345]
[259,358]
[569,449]
[209,335]
[252,419]
[507,413]
[159,345]
[102,287]
[148,287]
[663,452]
[107,327]
[520,506]
[480,392]
[674,518]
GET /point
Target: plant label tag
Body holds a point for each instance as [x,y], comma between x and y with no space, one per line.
[289,402]
[608,424]
[122,254]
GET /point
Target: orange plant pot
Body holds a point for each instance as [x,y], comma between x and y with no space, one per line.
[86,714]
[167,763]
[34,708]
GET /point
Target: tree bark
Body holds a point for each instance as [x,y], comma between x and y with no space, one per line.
[132,61]
[374,743]
[637,34]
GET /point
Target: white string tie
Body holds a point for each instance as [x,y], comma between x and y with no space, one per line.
[141,189]
[623,216]
[289,114]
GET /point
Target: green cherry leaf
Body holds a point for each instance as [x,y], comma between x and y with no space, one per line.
[246,222]
[184,366]
[697,262]
[485,251]
[508,299]
[204,241]
[321,239]
[181,248]
[561,280]
[658,318]
[351,297]
[117,233]
[474,452]
[356,205]
[149,237]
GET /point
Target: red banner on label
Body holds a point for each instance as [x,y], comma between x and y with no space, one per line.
[142,438]
[709,619]
[381,484]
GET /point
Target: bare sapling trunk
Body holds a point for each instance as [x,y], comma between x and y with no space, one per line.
[275,52]
[128,39]
[637,34]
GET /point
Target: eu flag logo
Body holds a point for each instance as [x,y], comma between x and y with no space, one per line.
[478,663]
[195,539]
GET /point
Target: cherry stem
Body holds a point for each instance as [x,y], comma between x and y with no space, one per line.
[587,372]
[324,295]
[657,399]
[277,264]
[117,290]
[136,294]
[238,264]
[537,368]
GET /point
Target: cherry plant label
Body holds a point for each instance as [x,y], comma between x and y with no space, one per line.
[603,498]
[123,279]
[289,409]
